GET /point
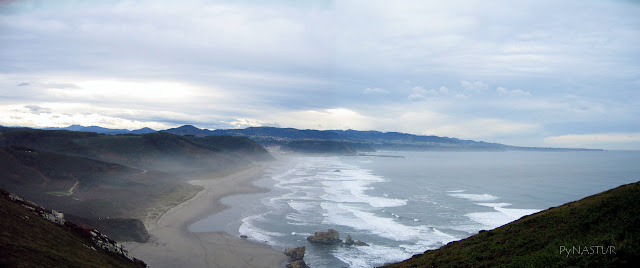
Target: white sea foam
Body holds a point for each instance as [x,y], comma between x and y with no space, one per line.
[501,216]
[373,255]
[301,206]
[494,205]
[349,186]
[249,229]
[389,228]
[475,197]
[456,191]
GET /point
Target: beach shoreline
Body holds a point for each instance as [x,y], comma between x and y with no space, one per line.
[173,245]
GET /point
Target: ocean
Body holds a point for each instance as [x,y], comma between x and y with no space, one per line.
[404,206]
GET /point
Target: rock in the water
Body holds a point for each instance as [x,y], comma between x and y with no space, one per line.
[295,253]
[297,264]
[331,237]
[243,236]
[348,241]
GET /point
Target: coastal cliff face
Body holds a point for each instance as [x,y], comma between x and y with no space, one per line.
[602,230]
[32,236]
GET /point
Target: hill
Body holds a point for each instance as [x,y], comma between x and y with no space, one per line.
[241,146]
[189,130]
[28,239]
[112,182]
[103,130]
[89,188]
[602,230]
[324,147]
[95,129]
[154,151]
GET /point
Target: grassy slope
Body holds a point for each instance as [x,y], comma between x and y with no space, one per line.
[28,240]
[611,218]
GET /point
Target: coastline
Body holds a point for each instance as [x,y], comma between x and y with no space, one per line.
[172,245]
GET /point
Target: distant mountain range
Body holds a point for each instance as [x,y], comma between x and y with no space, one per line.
[103,130]
[273,136]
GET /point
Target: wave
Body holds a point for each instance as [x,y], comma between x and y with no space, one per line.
[370,256]
[500,216]
[475,197]
[456,191]
[249,228]
[389,228]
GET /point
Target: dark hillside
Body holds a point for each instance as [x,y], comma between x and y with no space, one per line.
[88,188]
[602,230]
[242,146]
[324,147]
[29,240]
[155,151]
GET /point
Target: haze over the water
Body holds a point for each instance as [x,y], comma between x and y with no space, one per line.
[529,73]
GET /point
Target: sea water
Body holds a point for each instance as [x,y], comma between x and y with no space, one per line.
[404,206]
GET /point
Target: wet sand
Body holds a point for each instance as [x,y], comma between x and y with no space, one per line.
[172,245]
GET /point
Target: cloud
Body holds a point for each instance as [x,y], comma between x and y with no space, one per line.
[333,118]
[420,94]
[477,86]
[39,117]
[242,64]
[615,141]
[417,97]
[35,109]
[485,128]
[375,91]
[513,93]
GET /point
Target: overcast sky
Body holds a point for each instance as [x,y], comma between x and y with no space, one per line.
[530,73]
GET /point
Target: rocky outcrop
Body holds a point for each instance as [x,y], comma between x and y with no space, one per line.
[295,253]
[85,234]
[297,264]
[331,237]
[349,242]
[117,229]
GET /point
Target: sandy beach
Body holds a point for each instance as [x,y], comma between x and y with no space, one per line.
[172,245]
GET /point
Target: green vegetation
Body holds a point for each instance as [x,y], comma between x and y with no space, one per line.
[29,240]
[603,228]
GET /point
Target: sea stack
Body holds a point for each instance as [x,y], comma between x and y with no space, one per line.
[331,237]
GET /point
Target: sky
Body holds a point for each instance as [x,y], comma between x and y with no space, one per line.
[526,73]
